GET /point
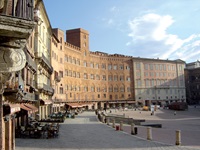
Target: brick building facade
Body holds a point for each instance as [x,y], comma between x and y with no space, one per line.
[107,80]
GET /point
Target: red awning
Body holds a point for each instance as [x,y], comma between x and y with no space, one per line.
[29,110]
[11,108]
[34,109]
[14,108]
[47,102]
[74,105]
[79,105]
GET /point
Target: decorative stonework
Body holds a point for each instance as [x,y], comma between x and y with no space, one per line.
[11,59]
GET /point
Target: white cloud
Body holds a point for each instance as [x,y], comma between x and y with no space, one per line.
[150,38]
[113,9]
[110,21]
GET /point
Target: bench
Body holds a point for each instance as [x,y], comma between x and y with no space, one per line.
[156,125]
[125,120]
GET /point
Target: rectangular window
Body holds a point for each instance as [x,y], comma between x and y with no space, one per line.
[109,67]
[121,67]
[115,78]
[115,67]
[92,89]
[61,74]
[85,64]
[138,66]
[103,66]
[92,65]
[146,66]
[138,83]
[85,75]
[97,66]
[98,89]
[121,78]
[110,89]
[110,77]
[104,77]
[92,76]
[151,66]
[61,90]
[66,72]
[97,77]
[127,67]
[78,75]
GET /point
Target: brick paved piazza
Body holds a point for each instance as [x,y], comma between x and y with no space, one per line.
[186,121]
[85,132]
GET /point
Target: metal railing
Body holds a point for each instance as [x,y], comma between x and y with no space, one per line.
[29,96]
[17,8]
[45,87]
[45,60]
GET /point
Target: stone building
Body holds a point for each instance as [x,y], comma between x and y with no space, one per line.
[158,81]
[57,61]
[42,52]
[192,82]
[101,80]
[16,25]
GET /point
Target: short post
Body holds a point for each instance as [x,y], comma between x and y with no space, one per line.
[121,125]
[108,121]
[132,129]
[103,119]
[149,133]
[113,125]
[178,137]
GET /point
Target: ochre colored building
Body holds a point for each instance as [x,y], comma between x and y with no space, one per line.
[100,80]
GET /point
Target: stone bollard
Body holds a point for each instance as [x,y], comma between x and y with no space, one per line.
[132,129]
[149,133]
[178,137]
[108,121]
[113,123]
[103,119]
[121,125]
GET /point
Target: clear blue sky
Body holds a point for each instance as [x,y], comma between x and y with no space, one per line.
[168,29]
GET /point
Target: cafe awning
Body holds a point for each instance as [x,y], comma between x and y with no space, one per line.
[75,105]
[79,105]
[55,105]
[34,109]
[46,102]
[10,108]
[29,110]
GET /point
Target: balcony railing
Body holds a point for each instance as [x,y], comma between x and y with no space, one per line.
[15,85]
[30,62]
[29,96]
[45,60]
[58,78]
[17,8]
[45,87]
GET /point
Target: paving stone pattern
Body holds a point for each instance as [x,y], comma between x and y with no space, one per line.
[85,132]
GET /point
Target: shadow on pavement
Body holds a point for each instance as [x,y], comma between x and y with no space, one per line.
[85,132]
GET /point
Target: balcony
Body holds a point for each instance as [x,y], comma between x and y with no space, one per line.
[44,61]
[58,78]
[45,88]
[16,25]
[29,96]
[14,90]
[31,63]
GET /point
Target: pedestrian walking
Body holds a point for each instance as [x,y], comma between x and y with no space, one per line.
[174,113]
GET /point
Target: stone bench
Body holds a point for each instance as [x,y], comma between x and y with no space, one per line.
[154,125]
[125,120]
